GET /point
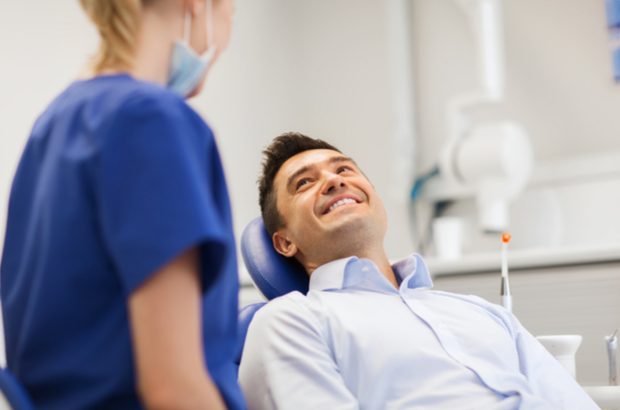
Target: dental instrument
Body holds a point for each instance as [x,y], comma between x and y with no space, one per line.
[505,286]
[612,348]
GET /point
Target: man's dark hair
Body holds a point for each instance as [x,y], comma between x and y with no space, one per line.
[277,153]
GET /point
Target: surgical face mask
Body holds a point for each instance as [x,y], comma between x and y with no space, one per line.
[187,68]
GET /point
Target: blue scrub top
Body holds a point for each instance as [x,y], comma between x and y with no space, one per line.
[118,177]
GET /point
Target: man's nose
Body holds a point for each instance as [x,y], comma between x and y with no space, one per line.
[333,183]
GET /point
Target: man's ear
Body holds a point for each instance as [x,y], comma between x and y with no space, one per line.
[283,245]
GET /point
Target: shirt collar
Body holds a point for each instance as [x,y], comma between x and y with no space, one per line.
[350,272]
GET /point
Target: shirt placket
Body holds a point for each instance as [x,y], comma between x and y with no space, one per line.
[414,299]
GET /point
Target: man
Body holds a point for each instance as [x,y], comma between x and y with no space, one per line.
[370,334]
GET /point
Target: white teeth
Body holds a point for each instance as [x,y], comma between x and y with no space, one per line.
[344,201]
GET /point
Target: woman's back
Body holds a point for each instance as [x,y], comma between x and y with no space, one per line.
[117,178]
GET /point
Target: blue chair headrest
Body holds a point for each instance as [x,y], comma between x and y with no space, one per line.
[273,274]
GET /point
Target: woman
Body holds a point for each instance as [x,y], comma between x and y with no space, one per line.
[119,281]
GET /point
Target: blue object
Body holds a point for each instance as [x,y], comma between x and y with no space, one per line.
[273,274]
[613,13]
[118,177]
[13,391]
[420,181]
[613,25]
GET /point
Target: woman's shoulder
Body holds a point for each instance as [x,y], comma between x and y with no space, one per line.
[111,95]
[146,99]
[134,95]
[123,99]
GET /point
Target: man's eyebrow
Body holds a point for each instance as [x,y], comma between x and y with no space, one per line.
[306,168]
[341,158]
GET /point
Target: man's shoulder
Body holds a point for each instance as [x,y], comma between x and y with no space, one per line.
[290,313]
[290,305]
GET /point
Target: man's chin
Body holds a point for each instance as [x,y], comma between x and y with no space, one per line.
[351,224]
[349,237]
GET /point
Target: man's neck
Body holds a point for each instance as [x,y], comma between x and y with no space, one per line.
[380,259]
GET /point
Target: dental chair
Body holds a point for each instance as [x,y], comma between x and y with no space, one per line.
[273,274]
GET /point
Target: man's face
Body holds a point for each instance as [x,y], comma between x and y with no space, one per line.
[327,205]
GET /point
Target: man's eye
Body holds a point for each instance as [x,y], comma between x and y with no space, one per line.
[301,183]
[343,168]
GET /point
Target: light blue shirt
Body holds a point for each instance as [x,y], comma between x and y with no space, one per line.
[356,342]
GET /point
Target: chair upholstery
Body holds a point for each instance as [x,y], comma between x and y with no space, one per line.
[273,274]
[13,392]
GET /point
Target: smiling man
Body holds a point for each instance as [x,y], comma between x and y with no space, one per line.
[370,334]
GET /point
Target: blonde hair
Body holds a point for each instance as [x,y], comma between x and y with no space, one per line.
[117,22]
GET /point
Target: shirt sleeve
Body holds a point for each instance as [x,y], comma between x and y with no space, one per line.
[154,189]
[286,363]
[546,376]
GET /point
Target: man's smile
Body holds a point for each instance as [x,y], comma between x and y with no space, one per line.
[340,201]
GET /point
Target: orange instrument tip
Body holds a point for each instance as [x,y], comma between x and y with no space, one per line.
[506,237]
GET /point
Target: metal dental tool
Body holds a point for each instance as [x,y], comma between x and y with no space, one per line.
[505,287]
[612,348]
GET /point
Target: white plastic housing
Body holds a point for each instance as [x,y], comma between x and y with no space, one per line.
[496,161]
